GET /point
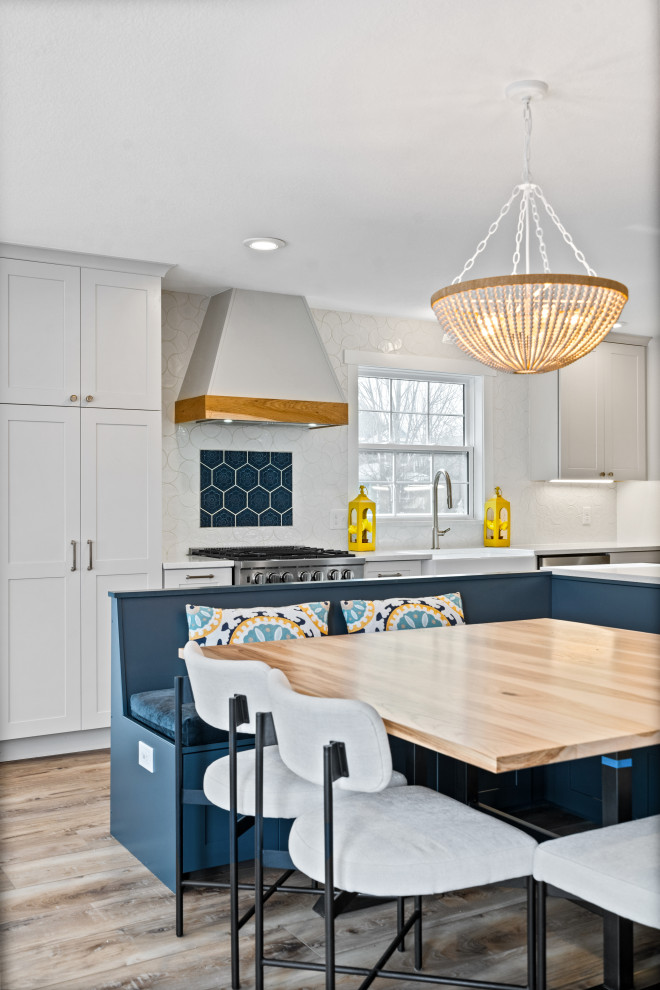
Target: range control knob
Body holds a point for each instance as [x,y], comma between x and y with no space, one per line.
[273,578]
[347,574]
[288,576]
[317,576]
[259,577]
[303,576]
[334,574]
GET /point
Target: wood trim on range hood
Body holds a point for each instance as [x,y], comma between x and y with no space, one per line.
[259,410]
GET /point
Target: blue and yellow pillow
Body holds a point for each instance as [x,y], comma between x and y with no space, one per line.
[403,613]
[224,626]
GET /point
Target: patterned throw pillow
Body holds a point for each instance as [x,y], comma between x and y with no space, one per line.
[403,613]
[222,626]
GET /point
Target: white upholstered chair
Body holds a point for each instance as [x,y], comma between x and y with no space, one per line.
[398,842]
[616,868]
[233,695]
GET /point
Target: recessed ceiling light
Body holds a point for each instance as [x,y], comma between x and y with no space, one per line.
[264,243]
[228,421]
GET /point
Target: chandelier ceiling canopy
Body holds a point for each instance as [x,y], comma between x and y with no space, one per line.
[529,323]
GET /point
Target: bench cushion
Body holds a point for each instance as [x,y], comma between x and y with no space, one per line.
[222,626]
[403,613]
[156,710]
[616,868]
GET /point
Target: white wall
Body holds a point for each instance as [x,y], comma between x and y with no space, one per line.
[541,513]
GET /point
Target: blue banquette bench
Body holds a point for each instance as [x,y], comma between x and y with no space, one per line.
[149,628]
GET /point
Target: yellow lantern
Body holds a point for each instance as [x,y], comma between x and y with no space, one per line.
[362,523]
[497,521]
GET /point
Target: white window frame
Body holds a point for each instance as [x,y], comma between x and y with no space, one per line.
[477,424]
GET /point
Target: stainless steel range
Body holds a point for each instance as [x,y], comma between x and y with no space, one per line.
[272,565]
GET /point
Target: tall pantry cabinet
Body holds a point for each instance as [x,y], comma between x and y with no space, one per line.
[80,511]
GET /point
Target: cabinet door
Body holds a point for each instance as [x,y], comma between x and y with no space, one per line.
[120,340]
[120,531]
[581,419]
[623,376]
[40,597]
[39,333]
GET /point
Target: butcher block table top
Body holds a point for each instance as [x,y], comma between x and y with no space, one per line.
[499,695]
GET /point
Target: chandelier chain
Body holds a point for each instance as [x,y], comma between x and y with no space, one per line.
[522,213]
[491,230]
[527,121]
[562,230]
[539,235]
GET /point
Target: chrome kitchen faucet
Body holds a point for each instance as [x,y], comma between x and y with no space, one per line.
[437,533]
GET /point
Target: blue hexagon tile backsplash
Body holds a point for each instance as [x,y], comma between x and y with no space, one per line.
[245,488]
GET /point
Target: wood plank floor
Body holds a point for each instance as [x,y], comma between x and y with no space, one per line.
[79,912]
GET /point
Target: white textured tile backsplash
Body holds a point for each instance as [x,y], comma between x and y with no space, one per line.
[540,512]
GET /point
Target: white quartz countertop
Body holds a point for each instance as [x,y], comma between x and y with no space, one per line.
[611,547]
[426,554]
[198,562]
[457,552]
[639,573]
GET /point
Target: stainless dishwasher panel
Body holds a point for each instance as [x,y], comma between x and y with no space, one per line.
[573,559]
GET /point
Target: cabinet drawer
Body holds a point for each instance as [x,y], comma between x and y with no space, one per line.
[196,578]
[392,568]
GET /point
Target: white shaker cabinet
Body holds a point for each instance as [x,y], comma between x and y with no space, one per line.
[80,517]
[40,598]
[120,340]
[39,333]
[79,336]
[120,531]
[588,420]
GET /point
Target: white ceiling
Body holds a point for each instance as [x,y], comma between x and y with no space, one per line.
[372,135]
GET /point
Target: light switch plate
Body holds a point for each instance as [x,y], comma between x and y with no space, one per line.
[146,756]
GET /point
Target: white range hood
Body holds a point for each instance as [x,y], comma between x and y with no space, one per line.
[259,358]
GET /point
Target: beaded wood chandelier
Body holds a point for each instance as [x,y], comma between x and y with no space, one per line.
[529,323]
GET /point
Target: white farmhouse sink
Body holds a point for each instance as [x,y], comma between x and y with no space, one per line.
[479,560]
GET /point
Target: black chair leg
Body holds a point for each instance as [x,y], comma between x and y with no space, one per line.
[258,856]
[400,921]
[418,934]
[178,804]
[531,934]
[233,848]
[540,936]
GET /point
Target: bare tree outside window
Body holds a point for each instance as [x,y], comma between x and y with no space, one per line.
[409,428]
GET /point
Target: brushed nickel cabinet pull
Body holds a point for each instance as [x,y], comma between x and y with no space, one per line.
[74,398]
[198,577]
[391,574]
[88,398]
[74,565]
[89,544]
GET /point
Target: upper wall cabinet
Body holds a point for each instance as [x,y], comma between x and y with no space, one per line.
[588,421]
[73,336]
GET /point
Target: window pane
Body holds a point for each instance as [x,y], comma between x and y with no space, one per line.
[455,464]
[412,498]
[374,393]
[409,428]
[409,396]
[382,496]
[459,500]
[374,427]
[375,466]
[446,398]
[413,467]
[446,431]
